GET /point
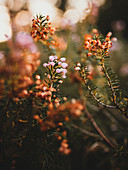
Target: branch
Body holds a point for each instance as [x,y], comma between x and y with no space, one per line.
[112,89]
[97,128]
[86,132]
[98,101]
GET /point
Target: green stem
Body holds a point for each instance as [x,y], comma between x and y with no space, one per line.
[111,87]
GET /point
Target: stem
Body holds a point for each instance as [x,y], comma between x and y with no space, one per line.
[98,101]
[86,132]
[97,128]
[111,87]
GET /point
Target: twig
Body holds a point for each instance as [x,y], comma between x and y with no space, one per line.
[97,128]
[112,89]
[86,132]
[98,101]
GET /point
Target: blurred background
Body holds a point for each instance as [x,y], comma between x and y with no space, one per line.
[111,15]
[106,15]
[17,14]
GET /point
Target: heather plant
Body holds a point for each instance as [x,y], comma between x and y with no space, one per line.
[65,107]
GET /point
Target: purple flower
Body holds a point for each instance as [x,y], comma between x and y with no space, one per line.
[45,64]
[55,57]
[24,40]
[51,58]
[64,65]
[58,70]
[51,63]
[64,71]
[59,63]
[64,76]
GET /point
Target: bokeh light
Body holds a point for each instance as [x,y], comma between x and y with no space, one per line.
[22,12]
[5,28]
[45,8]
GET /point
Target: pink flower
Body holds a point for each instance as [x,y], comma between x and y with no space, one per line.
[59,63]
[55,57]
[45,64]
[64,71]
[51,63]
[63,76]
[58,70]
[51,58]
[24,40]
[64,65]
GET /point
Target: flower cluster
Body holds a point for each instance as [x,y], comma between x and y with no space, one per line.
[55,118]
[63,112]
[58,66]
[96,45]
[41,28]
[17,66]
[45,93]
[42,91]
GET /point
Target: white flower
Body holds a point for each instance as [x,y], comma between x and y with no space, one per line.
[51,58]
[77,68]
[63,59]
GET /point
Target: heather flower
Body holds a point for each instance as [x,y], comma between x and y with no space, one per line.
[58,70]
[64,71]
[51,58]
[95,46]
[51,63]
[63,59]
[55,57]
[57,66]
[64,65]
[64,76]
[77,68]
[18,66]
[45,64]
[78,64]
[59,63]
[41,28]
